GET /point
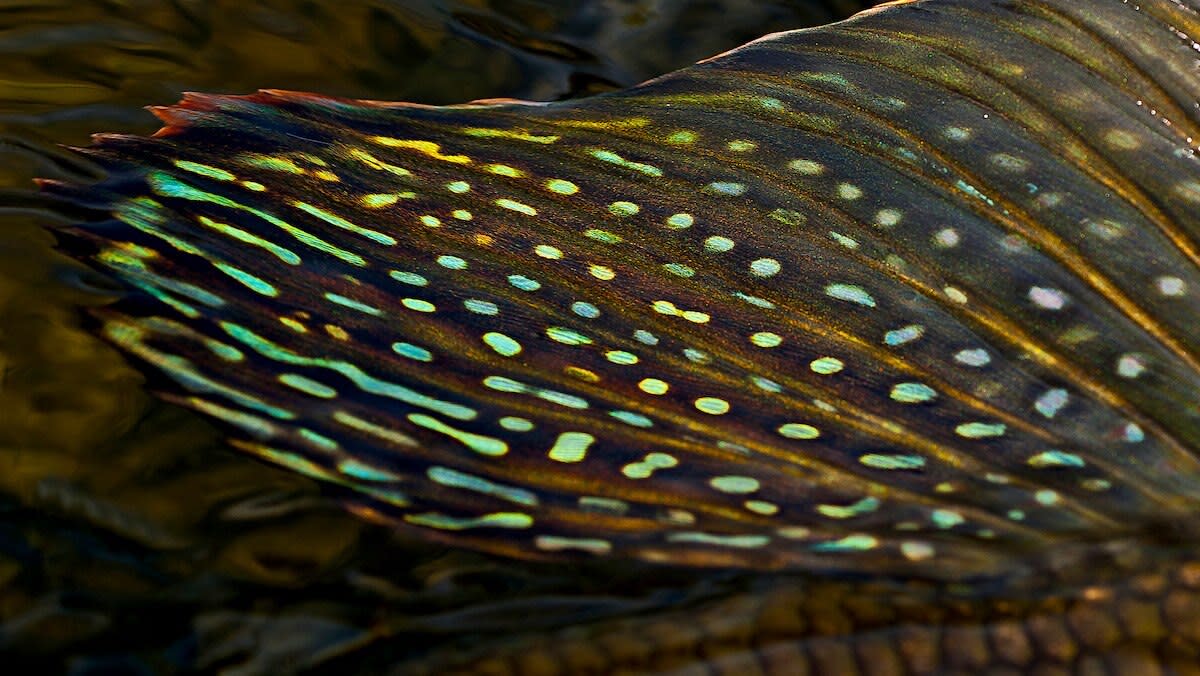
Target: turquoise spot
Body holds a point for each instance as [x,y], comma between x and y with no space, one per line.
[850,292]
[567,336]
[586,310]
[515,424]
[765,267]
[408,278]
[913,393]
[353,304]
[571,447]
[850,543]
[680,221]
[798,431]
[476,442]
[827,365]
[412,352]
[205,170]
[458,187]
[1056,459]
[632,419]
[452,262]
[308,385]
[481,307]
[455,479]
[735,484]
[735,541]
[904,335]
[865,506]
[248,280]
[502,344]
[524,283]
[562,187]
[980,430]
[727,188]
[418,305]
[623,208]
[340,222]
[766,339]
[945,518]
[318,439]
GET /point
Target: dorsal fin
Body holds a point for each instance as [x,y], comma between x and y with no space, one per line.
[911,293]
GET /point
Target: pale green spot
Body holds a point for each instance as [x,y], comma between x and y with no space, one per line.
[318,440]
[379,200]
[1046,497]
[632,419]
[505,170]
[462,214]
[408,278]
[741,146]
[571,447]
[603,236]
[913,393]
[455,479]
[458,187]
[483,445]
[515,424]
[622,208]
[502,344]
[515,520]
[452,262]
[205,170]
[524,283]
[613,158]
[680,221]
[255,284]
[730,188]
[827,365]
[765,267]
[307,385]
[712,405]
[735,484]
[418,305]
[850,292]
[431,221]
[567,336]
[798,431]
[761,507]
[766,339]
[850,543]
[882,461]
[546,251]
[412,352]
[980,430]
[516,206]
[864,506]
[621,357]
[718,244]
[353,304]
[653,386]
[682,137]
[945,518]
[481,307]
[562,187]
[558,543]
[342,223]
[679,270]
[903,335]
[735,541]
[1056,459]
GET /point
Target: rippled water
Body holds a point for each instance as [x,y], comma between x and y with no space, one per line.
[133,540]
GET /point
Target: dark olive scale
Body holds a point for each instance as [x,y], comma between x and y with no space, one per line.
[911,294]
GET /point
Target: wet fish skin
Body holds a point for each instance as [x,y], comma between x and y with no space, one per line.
[909,296]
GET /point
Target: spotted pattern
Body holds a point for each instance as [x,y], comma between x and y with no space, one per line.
[779,310]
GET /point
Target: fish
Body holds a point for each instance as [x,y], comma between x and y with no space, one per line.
[906,302]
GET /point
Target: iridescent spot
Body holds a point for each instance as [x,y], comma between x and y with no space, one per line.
[916,551]
[308,385]
[827,365]
[798,431]
[462,214]
[632,419]
[645,337]
[558,543]
[481,307]
[850,543]
[452,262]
[515,424]
[735,484]
[807,167]
[946,238]
[766,339]
[601,272]
[505,170]
[431,221]
[613,158]
[849,191]
[1131,365]
[621,208]
[561,186]
[680,221]
[1051,402]
[458,187]
[886,218]
[547,251]
[502,344]
[761,507]
[851,293]
[865,506]
[1171,286]
[205,170]
[418,305]
[730,188]
[455,479]
[913,393]
[621,357]
[1133,433]
[681,137]
[379,200]
[718,244]
[765,267]
[524,283]
[255,284]
[905,334]
[585,310]
[412,351]
[980,430]
[741,146]
[353,304]
[679,270]
[1009,162]
[476,442]
[603,236]
[1056,459]
[945,518]
[975,357]
[712,405]
[766,384]
[957,133]
[514,520]
[1046,497]
[653,386]
[884,461]
[1050,299]
[571,447]
[518,207]
[567,336]
[719,540]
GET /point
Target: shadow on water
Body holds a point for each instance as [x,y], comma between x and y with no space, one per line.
[133,540]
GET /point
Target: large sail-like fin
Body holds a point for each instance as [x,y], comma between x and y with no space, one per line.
[912,293]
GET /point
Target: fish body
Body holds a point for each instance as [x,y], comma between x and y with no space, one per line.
[911,296]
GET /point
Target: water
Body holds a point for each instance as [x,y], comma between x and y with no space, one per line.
[134,540]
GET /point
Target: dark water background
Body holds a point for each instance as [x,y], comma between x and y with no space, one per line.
[132,540]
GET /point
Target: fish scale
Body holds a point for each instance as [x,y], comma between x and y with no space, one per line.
[863,298]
